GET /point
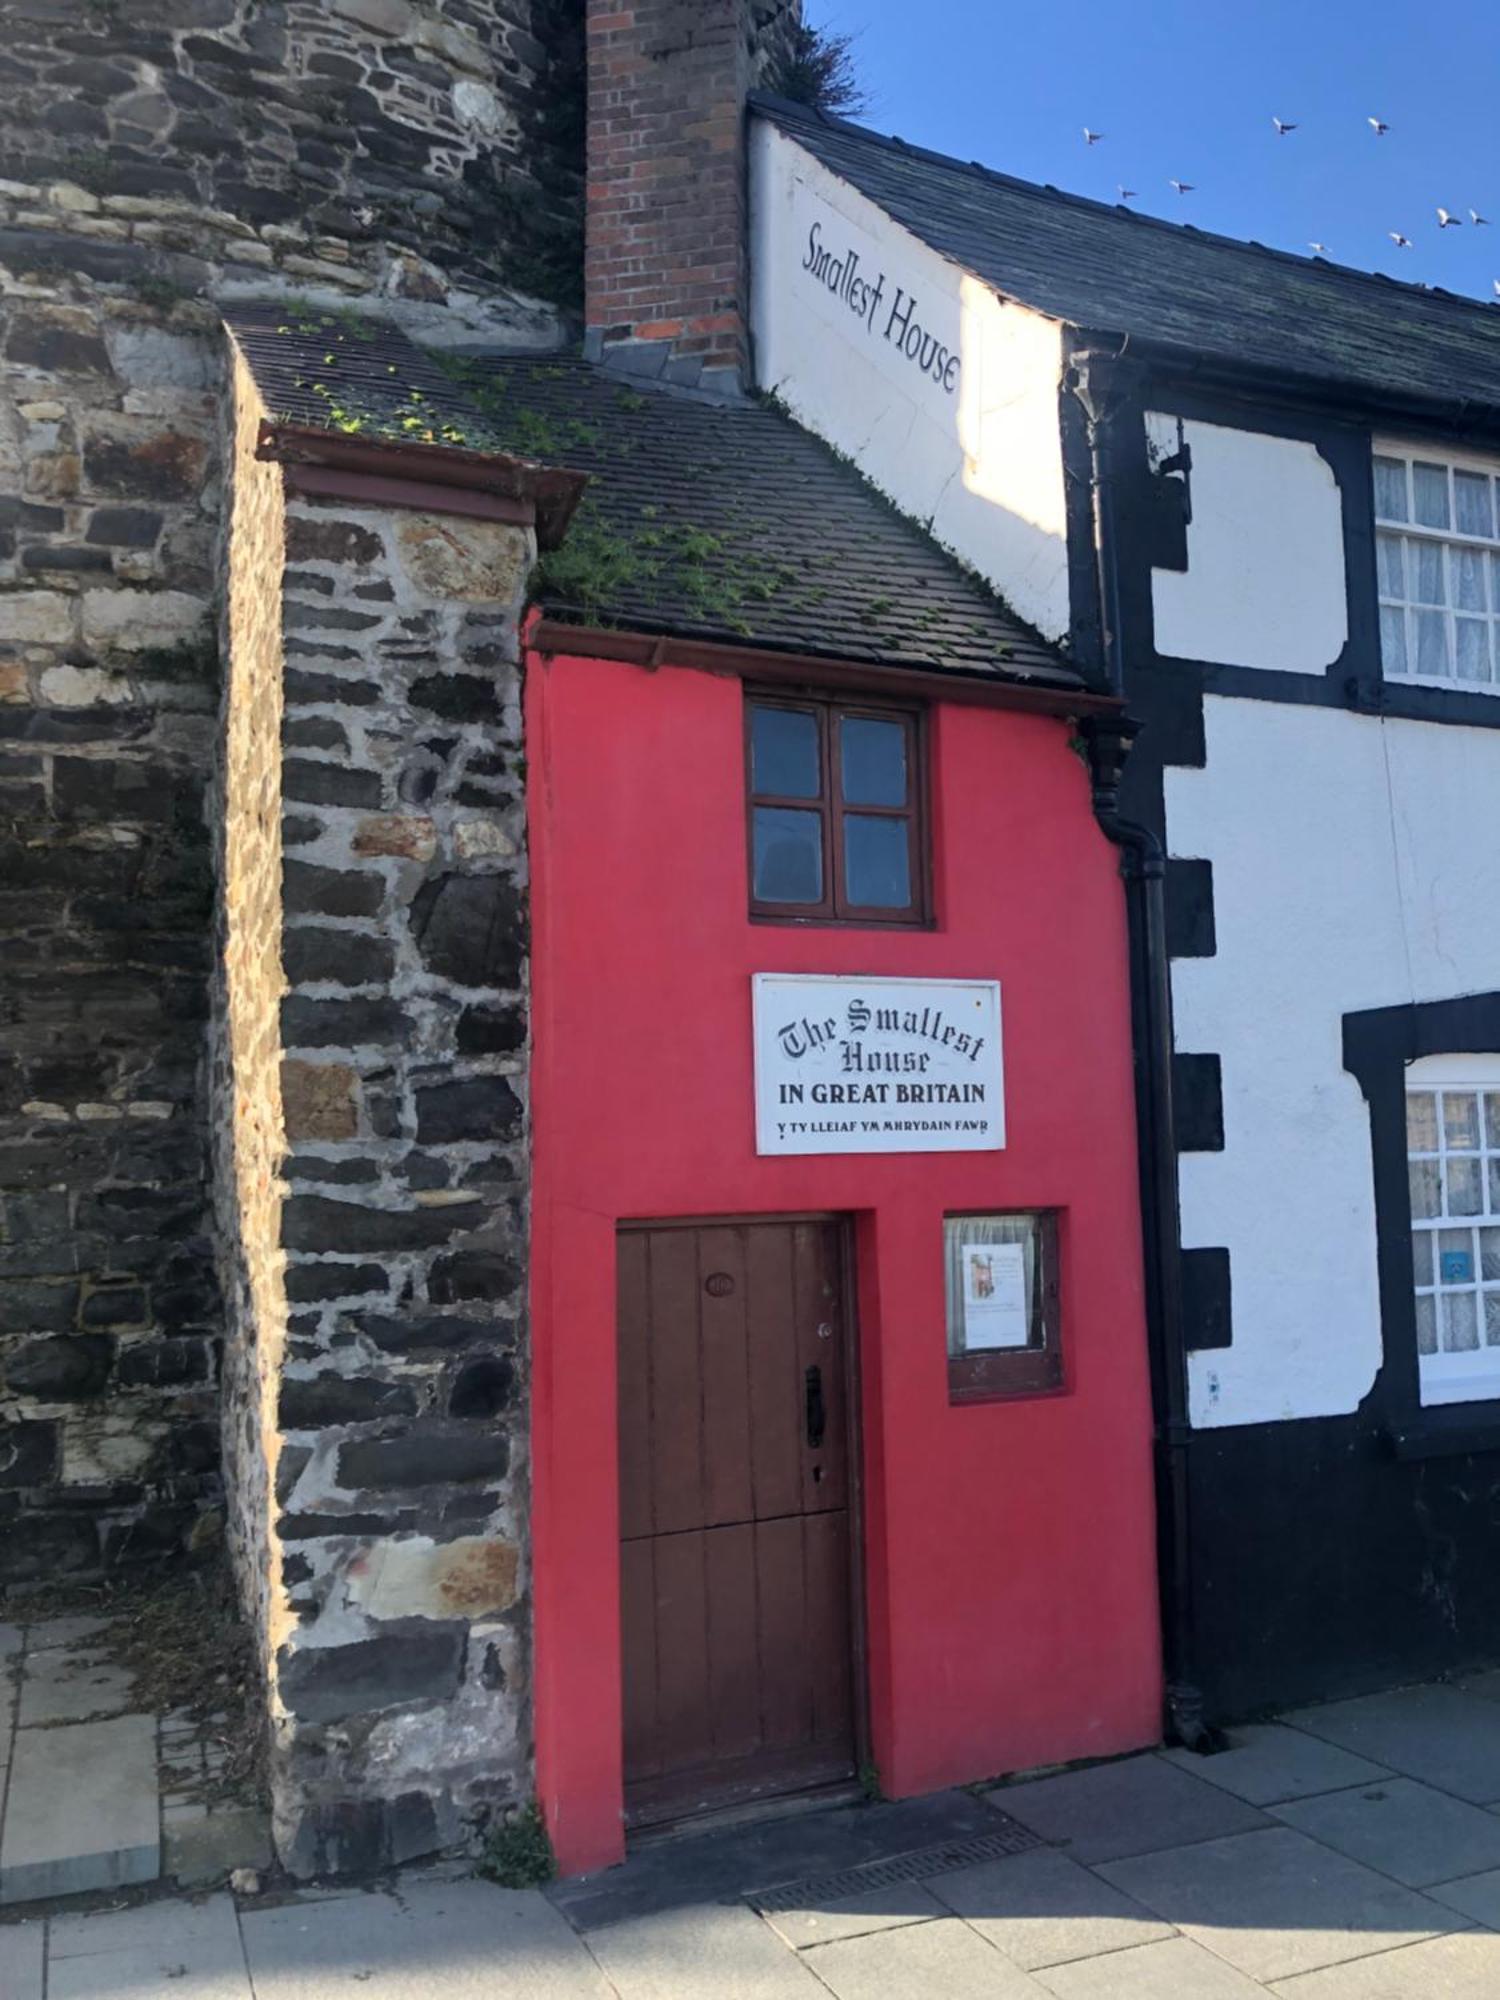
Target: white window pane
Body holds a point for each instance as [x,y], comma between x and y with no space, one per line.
[1492,1319]
[1426,565]
[1455,1252]
[1492,1120]
[1388,555]
[1423,1176]
[1429,494]
[1460,1322]
[1432,642]
[1393,639]
[1471,497]
[1461,1120]
[1421,1256]
[1390,489]
[1489,1253]
[1473,637]
[1469,566]
[1494,1207]
[1465,1196]
[1427,1326]
[1422,1121]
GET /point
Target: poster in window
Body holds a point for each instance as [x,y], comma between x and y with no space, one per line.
[996,1311]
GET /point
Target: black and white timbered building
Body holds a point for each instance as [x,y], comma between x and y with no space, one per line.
[1258,496]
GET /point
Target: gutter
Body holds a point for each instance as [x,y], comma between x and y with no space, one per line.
[447,479]
[1098,381]
[763,661]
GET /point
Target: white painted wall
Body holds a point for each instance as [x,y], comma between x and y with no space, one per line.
[1356,864]
[973,451]
[1264,585]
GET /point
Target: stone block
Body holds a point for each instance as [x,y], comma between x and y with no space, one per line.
[346,958]
[162,1364]
[470,561]
[372,1023]
[138,460]
[310,1283]
[491,1031]
[319,1100]
[323,1684]
[408,836]
[473,1274]
[28,1454]
[35,618]
[70,1367]
[316,1402]
[314,1222]
[308,890]
[124,527]
[483,1388]
[135,621]
[305,781]
[314,538]
[480,1107]
[474,1577]
[470,929]
[457,697]
[431,1456]
[34,1306]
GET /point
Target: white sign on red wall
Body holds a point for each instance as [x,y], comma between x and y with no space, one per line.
[849,1065]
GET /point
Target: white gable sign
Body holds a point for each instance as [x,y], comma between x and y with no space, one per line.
[911,329]
[877,1065]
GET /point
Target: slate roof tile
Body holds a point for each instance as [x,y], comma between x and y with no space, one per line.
[1111,270]
[703,519]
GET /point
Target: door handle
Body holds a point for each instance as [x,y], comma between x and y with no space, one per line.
[817,1416]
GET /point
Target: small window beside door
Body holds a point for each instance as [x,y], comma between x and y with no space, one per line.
[837,818]
[1453,1171]
[1004,1332]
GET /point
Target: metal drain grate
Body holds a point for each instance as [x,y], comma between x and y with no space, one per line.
[1008,1838]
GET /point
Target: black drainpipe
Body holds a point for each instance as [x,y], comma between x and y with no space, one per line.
[1095,379]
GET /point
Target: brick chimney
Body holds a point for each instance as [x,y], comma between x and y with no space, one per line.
[665,267]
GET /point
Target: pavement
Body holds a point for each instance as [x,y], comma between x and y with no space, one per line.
[1346,1852]
[95,1795]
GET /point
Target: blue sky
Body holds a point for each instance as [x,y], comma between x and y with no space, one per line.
[1189,90]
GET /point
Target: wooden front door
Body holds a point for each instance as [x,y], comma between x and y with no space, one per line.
[735,1552]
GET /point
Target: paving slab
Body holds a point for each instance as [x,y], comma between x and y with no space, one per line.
[1131,1807]
[1275,1903]
[63,1632]
[1404,1829]
[855,1916]
[207,1846]
[1477,1896]
[1439,1734]
[726,1951]
[1042,1908]
[21,1961]
[1267,1763]
[722,1866]
[464,1939]
[921,1962]
[1176,1969]
[173,1925]
[10,1641]
[81,1811]
[192,1954]
[64,1686]
[1486,1682]
[1466,1967]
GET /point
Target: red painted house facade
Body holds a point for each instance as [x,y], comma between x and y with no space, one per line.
[1000,1608]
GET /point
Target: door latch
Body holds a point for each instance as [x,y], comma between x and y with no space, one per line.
[817,1416]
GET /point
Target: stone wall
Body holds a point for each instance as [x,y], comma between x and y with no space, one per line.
[109,1315]
[422,150]
[378,1368]
[156,156]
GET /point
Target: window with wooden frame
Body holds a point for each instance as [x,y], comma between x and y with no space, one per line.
[837,810]
[1003,1307]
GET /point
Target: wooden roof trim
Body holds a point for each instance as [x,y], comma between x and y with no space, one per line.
[764,663]
[550,494]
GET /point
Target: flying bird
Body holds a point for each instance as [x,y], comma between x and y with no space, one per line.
[1497,288]
[1127,194]
[1378,126]
[1318,249]
[1282,127]
[1182,187]
[1479,221]
[1091,138]
[1447,221]
[1401,242]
